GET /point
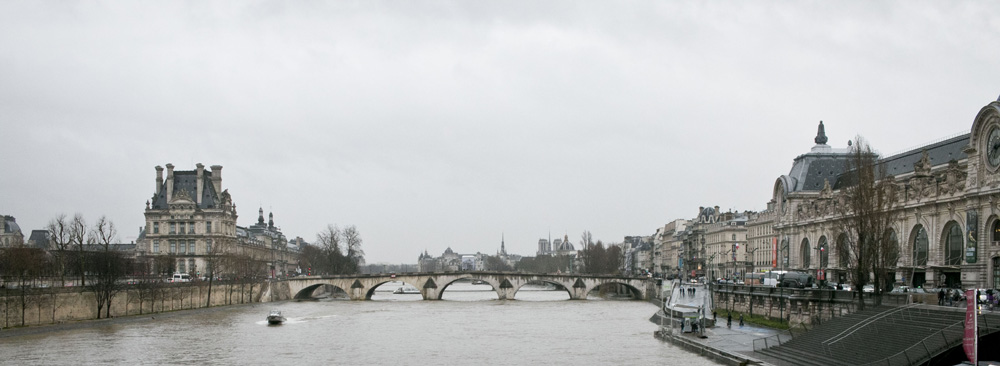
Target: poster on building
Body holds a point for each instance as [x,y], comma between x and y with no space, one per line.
[971,233]
[774,252]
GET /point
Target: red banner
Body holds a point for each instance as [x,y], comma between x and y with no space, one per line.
[774,252]
[970,341]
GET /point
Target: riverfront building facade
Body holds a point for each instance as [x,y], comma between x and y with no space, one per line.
[190,218]
[948,203]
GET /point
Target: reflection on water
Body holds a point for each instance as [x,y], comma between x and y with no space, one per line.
[467,327]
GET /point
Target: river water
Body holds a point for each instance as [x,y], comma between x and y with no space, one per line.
[468,327]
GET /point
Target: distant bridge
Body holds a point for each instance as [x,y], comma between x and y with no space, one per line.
[432,285]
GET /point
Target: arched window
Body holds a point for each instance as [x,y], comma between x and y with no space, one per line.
[919,246]
[843,252]
[996,232]
[893,254]
[824,255]
[996,272]
[954,244]
[804,250]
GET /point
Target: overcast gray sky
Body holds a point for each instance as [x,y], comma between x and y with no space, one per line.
[437,124]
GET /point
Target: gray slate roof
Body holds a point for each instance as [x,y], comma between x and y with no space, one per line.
[187,181]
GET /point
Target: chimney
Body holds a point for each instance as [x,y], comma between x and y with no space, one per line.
[159,179]
[200,183]
[170,182]
[217,178]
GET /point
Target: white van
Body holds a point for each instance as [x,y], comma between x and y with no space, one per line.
[181,277]
[771,278]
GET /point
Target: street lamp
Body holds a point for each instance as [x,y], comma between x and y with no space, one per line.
[784,263]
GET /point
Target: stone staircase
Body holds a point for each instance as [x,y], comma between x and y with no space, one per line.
[889,336]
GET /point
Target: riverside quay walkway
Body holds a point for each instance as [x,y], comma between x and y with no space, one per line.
[914,334]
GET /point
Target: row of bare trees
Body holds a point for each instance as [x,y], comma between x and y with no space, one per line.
[336,251]
[595,258]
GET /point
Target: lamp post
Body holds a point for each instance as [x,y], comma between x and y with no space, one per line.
[784,263]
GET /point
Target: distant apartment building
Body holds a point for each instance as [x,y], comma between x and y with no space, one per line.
[666,246]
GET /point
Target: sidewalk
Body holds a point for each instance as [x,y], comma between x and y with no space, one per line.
[728,345]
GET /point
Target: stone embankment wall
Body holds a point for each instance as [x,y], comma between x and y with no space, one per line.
[57,305]
[800,306]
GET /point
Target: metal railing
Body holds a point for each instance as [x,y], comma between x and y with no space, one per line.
[854,328]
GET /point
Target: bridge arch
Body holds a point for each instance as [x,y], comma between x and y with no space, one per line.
[370,291]
[488,279]
[636,293]
[306,293]
[565,287]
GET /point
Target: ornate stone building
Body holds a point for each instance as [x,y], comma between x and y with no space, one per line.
[948,202]
[190,217]
[10,232]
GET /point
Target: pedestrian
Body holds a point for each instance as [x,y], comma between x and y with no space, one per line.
[741,320]
[682,325]
[713,315]
[729,320]
[940,297]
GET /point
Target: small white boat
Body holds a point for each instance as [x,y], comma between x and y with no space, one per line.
[275,317]
[407,290]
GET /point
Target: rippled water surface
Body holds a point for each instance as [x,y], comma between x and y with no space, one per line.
[468,327]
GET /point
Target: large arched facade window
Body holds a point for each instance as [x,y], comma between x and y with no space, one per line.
[824,254]
[893,254]
[843,251]
[954,244]
[804,252]
[920,245]
[995,233]
[996,272]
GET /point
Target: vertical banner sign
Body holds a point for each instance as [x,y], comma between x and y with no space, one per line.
[971,233]
[774,252]
[970,341]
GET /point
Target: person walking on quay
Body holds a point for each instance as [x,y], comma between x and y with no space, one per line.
[940,297]
[741,320]
[713,315]
[729,320]
[682,325]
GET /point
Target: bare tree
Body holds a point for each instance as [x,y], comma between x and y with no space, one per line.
[352,237]
[77,236]
[59,235]
[868,211]
[109,267]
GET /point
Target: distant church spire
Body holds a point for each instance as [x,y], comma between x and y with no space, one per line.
[503,251]
[821,135]
[260,218]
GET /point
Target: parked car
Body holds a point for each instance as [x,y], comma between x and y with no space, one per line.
[868,288]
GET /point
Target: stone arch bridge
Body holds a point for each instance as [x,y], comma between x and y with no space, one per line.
[506,284]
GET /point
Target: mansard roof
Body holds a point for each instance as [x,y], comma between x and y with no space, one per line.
[939,153]
[187,181]
[810,171]
[39,239]
[9,225]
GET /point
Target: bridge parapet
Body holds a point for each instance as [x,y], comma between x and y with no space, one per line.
[432,285]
